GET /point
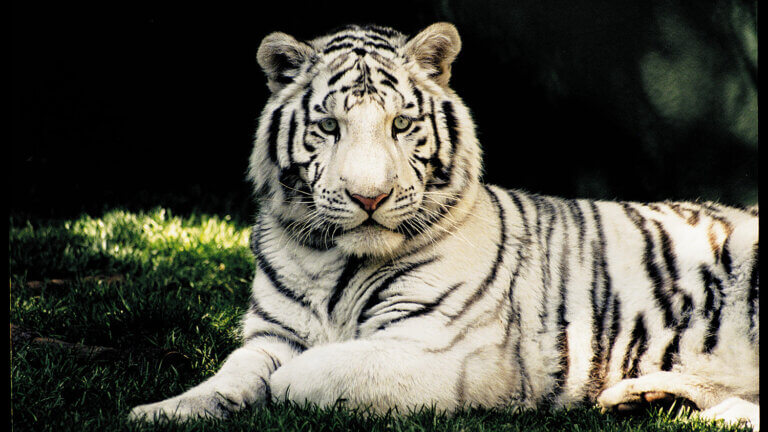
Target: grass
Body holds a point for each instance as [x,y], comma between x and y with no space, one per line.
[163,296]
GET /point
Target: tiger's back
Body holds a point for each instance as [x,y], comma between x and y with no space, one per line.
[622,290]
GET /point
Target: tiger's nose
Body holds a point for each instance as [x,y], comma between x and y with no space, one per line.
[369,204]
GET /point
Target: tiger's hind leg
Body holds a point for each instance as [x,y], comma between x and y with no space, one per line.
[717,401]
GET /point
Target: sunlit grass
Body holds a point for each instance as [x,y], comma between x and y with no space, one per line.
[151,282]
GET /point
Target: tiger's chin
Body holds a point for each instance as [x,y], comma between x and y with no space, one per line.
[370,240]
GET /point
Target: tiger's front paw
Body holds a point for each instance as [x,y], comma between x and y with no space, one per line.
[627,396]
[320,376]
[178,409]
[182,407]
[292,382]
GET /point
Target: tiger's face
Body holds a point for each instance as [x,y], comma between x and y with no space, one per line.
[360,144]
[366,181]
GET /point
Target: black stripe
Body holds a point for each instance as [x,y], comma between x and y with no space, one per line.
[419,97]
[667,250]
[500,249]
[600,297]
[426,220]
[714,291]
[389,84]
[316,135]
[522,256]
[274,278]
[374,299]
[514,313]
[419,176]
[615,328]
[291,136]
[378,38]
[384,31]
[543,206]
[267,392]
[416,129]
[453,126]
[366,38]
[423,160]
[386,47]
[520,208]
[433,120]
[578,217]
[273,131]
[440,173]
[271,273]
[296,345]
[654,274]
[275,362]
[326,100]
[305,107]
[554,212]
[305,104]
[257,310]
[380,274]
[388,75]
[342,37]
[337,47]
[561,374]
[426,309]
[639,341]
[350,270]
[726,259]
[316,178]
[667,360]
[670,261]
[337,76]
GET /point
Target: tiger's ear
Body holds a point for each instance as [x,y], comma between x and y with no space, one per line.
[434,49]
[281,57]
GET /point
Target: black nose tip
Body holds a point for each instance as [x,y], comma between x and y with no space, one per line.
[369,204]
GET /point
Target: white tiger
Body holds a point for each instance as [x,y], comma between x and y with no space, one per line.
[389,275]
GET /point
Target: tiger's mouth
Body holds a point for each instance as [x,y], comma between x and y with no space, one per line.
[369,226]
[371,222]
[369,238]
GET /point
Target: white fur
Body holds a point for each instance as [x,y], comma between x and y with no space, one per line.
[492,297]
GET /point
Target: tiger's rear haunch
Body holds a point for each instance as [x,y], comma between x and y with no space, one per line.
[389,276]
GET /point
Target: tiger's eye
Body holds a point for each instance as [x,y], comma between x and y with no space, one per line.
[329,125]
[401,123]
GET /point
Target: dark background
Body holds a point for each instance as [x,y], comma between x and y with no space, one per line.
[134,105]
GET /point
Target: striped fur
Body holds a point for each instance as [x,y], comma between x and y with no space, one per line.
[453,293]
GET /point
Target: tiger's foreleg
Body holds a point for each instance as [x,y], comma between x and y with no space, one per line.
[375,374]
[242,380]
[716,401]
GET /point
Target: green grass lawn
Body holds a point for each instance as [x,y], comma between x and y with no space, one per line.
[127,308]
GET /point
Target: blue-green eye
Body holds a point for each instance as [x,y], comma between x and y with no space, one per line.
[401,123]
[329,125]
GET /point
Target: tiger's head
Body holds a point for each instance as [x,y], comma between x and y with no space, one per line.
[362,145]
